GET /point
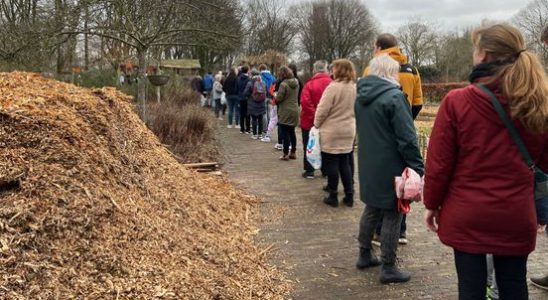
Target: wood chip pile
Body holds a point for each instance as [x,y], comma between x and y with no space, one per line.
[92,206]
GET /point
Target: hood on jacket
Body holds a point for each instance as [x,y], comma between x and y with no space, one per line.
[396,54]
[267,76]
[372,87]
[292,83]
[481,102]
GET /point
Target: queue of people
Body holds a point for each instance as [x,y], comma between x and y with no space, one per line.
[478,183]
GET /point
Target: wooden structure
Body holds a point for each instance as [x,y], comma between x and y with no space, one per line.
[184,67]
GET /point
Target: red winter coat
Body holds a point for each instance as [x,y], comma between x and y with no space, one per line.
[477,177]
[310,98]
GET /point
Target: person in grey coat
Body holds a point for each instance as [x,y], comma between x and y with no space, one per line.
[256,107]
[387,144]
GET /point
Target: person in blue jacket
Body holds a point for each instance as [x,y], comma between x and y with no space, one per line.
[208,87]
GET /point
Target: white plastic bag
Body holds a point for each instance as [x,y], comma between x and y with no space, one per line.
[223,98]
[203,101]
[313,150]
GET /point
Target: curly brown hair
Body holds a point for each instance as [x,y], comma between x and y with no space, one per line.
[285,73]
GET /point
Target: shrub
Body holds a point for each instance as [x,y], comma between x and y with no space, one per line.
[434,92]
[186,128]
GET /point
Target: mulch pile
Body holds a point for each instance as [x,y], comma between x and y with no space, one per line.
[92,206]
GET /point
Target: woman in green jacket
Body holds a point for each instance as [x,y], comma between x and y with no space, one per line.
[288,111]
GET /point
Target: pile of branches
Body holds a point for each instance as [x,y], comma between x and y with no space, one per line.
[435,92]
[92,206]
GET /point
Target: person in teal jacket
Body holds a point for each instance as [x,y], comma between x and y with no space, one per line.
[387,144]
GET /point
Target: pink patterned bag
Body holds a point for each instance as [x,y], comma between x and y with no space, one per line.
[408,189]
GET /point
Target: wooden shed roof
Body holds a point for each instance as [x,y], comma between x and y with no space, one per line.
[181,64]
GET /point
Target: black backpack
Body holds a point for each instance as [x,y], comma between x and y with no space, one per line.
[407,68]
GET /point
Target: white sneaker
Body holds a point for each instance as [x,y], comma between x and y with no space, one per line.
[266,139]
[254,137]
[220,119]
[229,126]
[279,147]
[237,126]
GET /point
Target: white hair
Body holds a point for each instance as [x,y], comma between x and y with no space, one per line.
[385,67]
[320,66]
[219,77]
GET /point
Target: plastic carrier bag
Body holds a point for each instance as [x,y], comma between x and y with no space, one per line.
[409,188]
[313,150]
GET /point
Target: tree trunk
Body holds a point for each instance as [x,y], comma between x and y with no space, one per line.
[86,40]
[141,85]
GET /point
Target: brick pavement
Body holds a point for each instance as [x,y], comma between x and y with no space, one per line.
[316,244]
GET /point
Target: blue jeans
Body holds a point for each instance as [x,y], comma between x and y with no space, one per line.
[542,211]
[233,109]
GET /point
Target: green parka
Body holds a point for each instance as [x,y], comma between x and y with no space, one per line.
[287,101]
[387,140]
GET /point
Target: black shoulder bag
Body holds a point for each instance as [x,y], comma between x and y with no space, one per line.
[541,179]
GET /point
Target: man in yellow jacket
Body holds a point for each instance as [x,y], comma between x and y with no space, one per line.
[410,79]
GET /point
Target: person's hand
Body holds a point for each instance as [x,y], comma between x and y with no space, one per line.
[431,218]
[541,228]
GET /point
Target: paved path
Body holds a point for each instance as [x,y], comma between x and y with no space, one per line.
[317,245]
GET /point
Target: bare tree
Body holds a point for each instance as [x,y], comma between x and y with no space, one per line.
[454,55]
[532,20]
[418,39]
[269,26]
[24,24]
[146,24]
[331,29]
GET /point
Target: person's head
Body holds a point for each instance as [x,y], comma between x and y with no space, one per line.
[385,66]
[521,75]
[233,72]
[293,68]
[285,73]
[385,41]
[254,73]
[320,66]
[219,77]
[244,69]
[544,36]
[263,67]
[343,70]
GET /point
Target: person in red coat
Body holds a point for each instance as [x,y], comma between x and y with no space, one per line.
[479,192]
[310,99]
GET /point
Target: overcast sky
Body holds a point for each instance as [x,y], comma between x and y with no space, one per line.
[449,14]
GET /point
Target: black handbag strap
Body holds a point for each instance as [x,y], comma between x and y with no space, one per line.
[510,126]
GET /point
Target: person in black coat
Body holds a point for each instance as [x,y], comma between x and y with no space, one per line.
[230,87]
[245,120]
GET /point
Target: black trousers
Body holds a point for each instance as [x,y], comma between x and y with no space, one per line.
[289,138]
[335,165]
[245,121]
[306,165]
[511,276]
[257,124]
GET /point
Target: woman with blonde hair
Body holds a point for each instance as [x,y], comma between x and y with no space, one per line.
[479,190]
[387,144]
[337,125]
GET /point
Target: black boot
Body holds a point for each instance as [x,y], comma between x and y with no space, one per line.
[332,199]
[348,200]
[391,274]
[540,282]
[367,259]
